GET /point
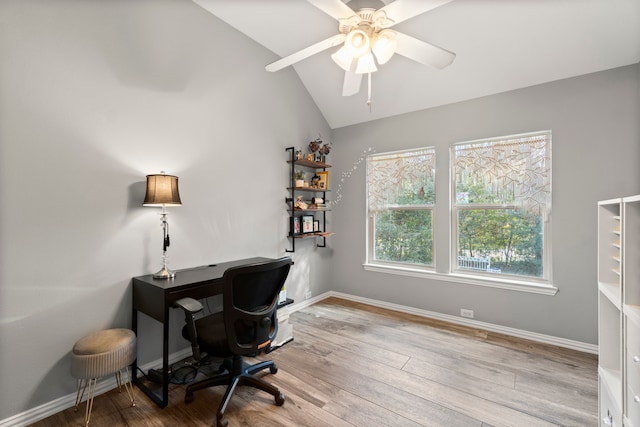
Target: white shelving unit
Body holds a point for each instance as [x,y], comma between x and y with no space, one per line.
[619,311]
[631,309]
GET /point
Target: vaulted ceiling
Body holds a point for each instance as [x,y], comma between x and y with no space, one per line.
[500,45]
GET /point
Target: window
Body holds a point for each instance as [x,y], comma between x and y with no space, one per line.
[400,203]
[500,206]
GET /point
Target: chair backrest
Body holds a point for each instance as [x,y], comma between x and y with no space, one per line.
[250,303]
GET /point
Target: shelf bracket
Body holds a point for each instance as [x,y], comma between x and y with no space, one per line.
[290,200]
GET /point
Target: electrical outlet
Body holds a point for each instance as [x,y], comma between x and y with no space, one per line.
[466,313]
[307,295]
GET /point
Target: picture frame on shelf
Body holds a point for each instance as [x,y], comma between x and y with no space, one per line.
[307,223]
[296,225]
[316,225]
[323,183]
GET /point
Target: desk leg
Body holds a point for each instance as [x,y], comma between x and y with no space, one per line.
[165,358]
[134,327]
[161,400]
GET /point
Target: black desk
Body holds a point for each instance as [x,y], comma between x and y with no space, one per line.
[154,297]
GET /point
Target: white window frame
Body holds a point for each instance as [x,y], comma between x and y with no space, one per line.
[455,208]
[370,234]
[443,269]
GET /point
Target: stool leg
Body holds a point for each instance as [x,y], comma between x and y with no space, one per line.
[82,386]
[92,390]
[128,385]
[118,375]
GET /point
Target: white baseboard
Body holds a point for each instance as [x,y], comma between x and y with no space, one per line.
[533,336]
[65,402]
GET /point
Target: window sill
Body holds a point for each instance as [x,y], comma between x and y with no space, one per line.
[513,285]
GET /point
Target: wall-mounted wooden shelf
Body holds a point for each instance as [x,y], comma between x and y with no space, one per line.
[293,212]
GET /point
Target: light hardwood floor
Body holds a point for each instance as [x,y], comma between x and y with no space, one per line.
[351,364]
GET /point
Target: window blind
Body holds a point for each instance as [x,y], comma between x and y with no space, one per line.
[401,178]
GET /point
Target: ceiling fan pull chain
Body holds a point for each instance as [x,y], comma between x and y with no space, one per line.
[369,93]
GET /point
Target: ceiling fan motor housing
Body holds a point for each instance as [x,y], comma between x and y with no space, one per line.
[368,20]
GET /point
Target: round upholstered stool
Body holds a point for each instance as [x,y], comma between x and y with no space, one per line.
[100,354]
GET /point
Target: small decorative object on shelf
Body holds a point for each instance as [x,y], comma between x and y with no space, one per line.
[318,150]
[300,176]
[300,204]
[315,145]
[315,180]
[324,150]
[307,223]
[323,182]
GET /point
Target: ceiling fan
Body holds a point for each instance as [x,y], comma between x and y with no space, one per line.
[365,33]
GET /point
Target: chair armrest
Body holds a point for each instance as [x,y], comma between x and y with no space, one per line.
[190,307]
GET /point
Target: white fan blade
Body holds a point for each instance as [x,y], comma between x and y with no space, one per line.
[305,53]
[334,8]
[351,84]
[401,10]
[422,52]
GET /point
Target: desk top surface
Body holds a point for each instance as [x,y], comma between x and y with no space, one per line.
[195,275]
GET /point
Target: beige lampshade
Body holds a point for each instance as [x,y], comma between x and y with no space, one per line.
[162,190]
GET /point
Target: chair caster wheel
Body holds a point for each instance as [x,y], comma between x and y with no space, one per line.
[273,369]
[188,397]
[280,399]
[222,422]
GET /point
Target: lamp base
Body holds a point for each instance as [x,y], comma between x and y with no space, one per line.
[165,273]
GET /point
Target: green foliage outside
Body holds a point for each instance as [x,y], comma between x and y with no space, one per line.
[511,239]
[404,234]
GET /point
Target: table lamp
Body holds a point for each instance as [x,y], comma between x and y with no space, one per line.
[162,190]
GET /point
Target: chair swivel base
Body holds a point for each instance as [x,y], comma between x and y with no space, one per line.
[236,372]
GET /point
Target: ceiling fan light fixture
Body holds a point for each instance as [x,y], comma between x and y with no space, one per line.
[343,58]
[366,41]
[366,64]
[384,46]
[357,43]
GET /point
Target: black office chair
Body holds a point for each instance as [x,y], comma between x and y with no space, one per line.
[245,327]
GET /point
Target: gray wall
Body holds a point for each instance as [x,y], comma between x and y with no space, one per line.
[94,95]
[596,150]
